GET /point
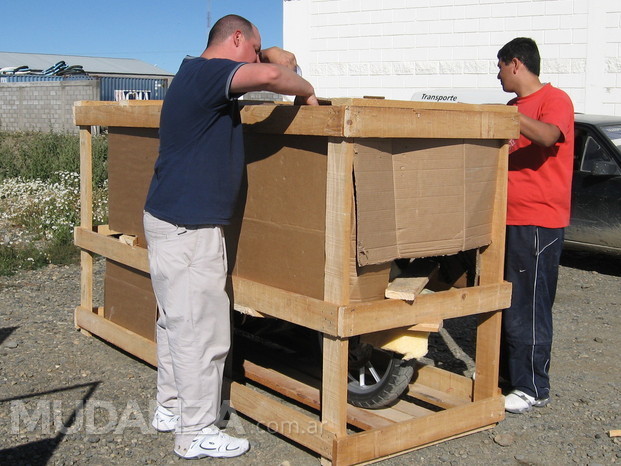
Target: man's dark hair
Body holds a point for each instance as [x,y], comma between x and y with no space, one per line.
[226,26]
[525,50]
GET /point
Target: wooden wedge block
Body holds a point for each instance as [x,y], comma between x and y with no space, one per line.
[406,288]
[428,327]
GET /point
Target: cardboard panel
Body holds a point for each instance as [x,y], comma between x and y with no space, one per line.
[481,158]
[281,239]
[422,197]
[129,300]
[131,155]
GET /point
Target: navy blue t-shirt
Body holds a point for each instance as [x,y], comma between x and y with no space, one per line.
[198,172]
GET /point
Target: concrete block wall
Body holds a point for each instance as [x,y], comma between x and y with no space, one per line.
[394,48]
[43,106]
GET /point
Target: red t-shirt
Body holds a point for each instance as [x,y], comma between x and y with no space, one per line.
[539,191]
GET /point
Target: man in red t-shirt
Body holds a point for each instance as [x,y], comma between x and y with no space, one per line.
[538,208]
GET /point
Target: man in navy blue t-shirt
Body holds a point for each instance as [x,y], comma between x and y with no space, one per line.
[195,184]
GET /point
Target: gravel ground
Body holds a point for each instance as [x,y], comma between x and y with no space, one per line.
[52,376]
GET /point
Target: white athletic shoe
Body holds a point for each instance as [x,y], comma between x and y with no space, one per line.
[164,420]
[518,402]
[211,441]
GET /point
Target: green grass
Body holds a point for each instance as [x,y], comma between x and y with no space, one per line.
[35,155]
[39,192]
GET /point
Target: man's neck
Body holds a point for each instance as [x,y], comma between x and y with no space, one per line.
[530,87]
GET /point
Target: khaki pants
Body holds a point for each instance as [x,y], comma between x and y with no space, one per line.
[188,272]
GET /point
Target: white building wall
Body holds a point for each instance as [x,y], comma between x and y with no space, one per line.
[394,48]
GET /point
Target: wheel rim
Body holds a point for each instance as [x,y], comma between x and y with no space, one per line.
[368,373]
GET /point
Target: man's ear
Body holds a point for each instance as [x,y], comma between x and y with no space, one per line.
[237,38]
[517,64]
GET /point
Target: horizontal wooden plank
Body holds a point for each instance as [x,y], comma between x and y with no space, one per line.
[324,120]
[406,288]
[267,300]
[427,327]
[382,118]
[125,339]
[367,317]
[412,409]
[455,385]
[292,388]
[296,308]
[434,396]
[112,248]
[395,122]
[127,113]
[451,106]
[373,444]
[287,421]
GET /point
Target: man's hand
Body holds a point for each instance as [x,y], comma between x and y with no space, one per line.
[278,56]
[309,100]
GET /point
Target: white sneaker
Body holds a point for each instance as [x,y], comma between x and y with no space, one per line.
[211,441]
[164,420]
[518,402]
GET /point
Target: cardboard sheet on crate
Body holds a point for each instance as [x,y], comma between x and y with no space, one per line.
[422,197]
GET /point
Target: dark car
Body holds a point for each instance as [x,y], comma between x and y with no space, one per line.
[596,192]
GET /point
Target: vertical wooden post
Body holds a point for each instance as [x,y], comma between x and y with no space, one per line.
[86,215]
[339,208]
[492,271]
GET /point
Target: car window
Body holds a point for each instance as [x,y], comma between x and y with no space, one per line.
[614,133]
[594,152]
[580,138]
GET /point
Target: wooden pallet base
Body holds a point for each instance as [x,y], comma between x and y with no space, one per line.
[386,432]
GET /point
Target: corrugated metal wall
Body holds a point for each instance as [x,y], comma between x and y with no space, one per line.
[144,88]
[136,88]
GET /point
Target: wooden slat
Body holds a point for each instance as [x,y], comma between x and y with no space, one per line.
[492,271]
[125,339]
[412,409]
[427,327]
[454,107]
[112,248]
[434,396]
[454,385]
[359,118]
[334,384]
[378,122]
[86,214]
[324,120]
[406,288]
[127,113]
[292,307]
[286,305]
[301,392]
[410,450]
[369,445]
[339,209]
[293,424]
[368,317]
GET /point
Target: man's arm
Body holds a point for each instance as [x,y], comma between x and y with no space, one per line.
[274,73]
[273,78]
[278,56]
[544,134]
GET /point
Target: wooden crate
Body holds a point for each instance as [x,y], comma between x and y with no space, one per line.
[339,312]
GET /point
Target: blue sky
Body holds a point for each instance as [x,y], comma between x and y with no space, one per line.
[160,32]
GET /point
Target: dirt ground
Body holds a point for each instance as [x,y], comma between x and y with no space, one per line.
[67,398]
